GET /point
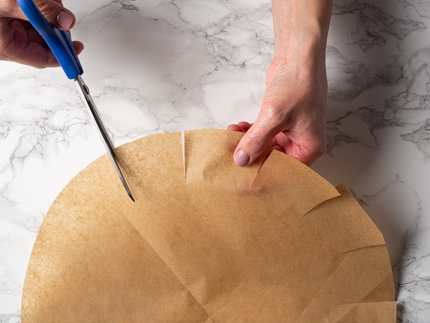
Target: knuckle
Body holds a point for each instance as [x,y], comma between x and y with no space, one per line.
[275,114]
[9,8]
[49,10]
[254,143]
[311,152]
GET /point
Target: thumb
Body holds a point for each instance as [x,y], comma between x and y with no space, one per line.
[58,16]
[256,140]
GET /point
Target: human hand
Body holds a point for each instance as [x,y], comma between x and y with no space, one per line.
[293,113]
[21,43]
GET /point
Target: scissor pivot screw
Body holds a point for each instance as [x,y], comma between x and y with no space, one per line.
[87,89]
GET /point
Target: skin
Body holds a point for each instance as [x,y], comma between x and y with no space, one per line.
[21,43]
[293,112]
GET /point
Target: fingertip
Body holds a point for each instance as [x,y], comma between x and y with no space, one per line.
[255,142]
[65,20]
[245,125]
[79,47]
[241,158]
[235,127]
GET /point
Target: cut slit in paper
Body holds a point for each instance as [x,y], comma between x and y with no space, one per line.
[225,244]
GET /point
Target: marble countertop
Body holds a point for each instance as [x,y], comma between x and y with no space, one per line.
[158,66]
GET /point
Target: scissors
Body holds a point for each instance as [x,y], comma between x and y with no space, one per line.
[61,45]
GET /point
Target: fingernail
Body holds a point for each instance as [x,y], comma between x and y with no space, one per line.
[65,19]
[241,159]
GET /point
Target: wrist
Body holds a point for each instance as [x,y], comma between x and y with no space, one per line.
[301,28]
[306,47]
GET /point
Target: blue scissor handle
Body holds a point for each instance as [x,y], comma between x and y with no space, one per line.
[59,41]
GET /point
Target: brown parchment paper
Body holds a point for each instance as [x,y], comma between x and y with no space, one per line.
[206,242]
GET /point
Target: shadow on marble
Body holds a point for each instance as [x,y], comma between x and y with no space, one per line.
[373,108]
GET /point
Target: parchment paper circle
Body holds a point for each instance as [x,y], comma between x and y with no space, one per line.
[206,242]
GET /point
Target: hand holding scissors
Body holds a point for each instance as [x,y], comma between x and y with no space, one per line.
[32,46]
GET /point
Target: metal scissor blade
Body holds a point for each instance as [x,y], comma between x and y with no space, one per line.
[85,92]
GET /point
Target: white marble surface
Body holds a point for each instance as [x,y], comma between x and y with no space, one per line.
[168,65]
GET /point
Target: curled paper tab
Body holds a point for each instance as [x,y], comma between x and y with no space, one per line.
[206,242]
